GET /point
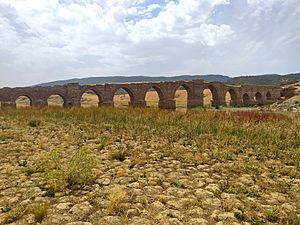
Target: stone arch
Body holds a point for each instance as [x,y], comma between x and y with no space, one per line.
[56,100]
[181,99]
[23,100]
[90,97]
[269,96]
[231,93]
[152,97]
[214,95]
[159,92]
[121,102]
[157,89]
[246,99]
[258,99]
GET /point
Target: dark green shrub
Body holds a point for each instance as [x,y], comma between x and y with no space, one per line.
[34,123]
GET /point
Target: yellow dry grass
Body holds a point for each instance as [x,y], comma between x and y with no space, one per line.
[119,160]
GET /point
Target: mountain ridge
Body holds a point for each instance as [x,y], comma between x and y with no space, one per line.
[265,79]
[125,79]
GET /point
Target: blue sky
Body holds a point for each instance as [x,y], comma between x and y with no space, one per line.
[45,40]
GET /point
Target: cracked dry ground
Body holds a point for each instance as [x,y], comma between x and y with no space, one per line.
[148,167]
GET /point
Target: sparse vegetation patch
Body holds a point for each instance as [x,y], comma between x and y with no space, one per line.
[145,166]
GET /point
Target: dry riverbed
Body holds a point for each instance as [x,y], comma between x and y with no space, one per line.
[106,166]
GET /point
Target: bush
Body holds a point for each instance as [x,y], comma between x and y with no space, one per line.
[80,169]
[55,171]
[34,123]
[103,140]
[40,212]
[60,173]
[119,154]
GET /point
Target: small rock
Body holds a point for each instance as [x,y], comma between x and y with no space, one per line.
[226,216]
[171,221]
[197,221]
[170,213]
[196,212]
[200,184]
[209,180]
[214,188]
[139,221]
[81,209]
[96,216]
[278,196]
[203,194]
[158,206]
[132,213]
[220,223]
[211,203]
[79,223]
[288,207]
[153,190]
[142,199]
[58,219]
[103,181]
[173,204]
[110,220]
[246,180]
[63,206]
[187,202]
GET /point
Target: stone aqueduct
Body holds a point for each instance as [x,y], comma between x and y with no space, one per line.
[242,95]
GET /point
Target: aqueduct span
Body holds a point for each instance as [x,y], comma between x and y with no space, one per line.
[242,95]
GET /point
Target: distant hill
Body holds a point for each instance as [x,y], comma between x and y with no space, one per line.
[123,79]
[268,79]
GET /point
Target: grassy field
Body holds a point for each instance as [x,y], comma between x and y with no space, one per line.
[145,166]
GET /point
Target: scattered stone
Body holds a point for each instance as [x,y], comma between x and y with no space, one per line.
[196,212]
[214,188]
[288,207]
[81,209]
[157,206]
[170,213]
[79,223]
[170,221]
[197,221]
[132,213]
[61,207]
[103,181]
[110,220]
[202,194]
[139,221]
[246,180]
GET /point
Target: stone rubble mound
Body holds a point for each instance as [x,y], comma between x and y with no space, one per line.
[290,105]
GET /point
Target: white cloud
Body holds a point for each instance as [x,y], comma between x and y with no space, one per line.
[260,8]
[56,39]
[8,36]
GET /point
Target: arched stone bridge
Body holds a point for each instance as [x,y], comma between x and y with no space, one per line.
[241,95]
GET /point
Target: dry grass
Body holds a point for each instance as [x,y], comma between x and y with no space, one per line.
[116,198]
[75,151]
[40,212]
